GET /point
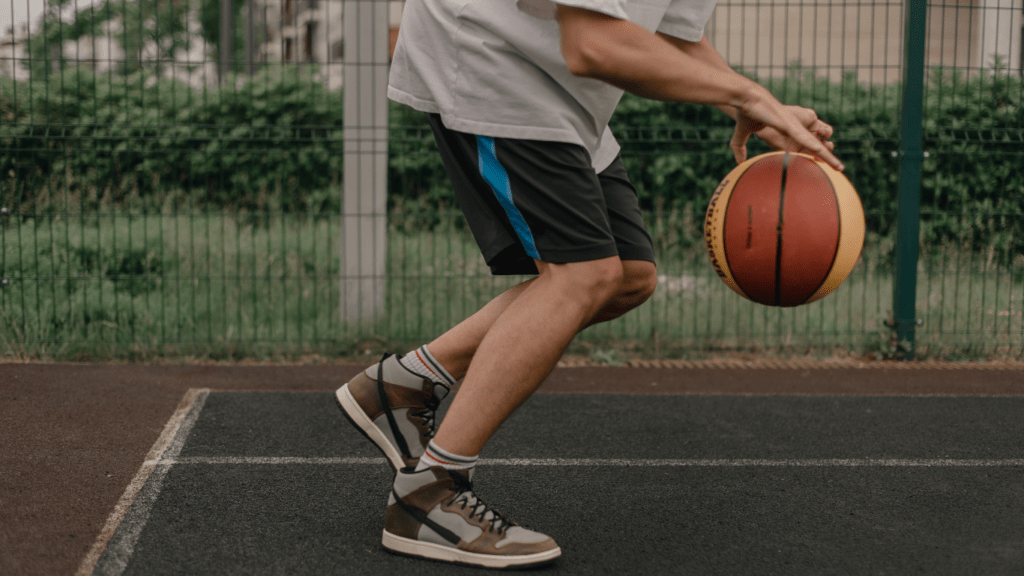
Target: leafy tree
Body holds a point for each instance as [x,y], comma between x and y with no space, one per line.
[151,32]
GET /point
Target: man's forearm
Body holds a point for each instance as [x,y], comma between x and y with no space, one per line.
[704,51]
[627,56]
[662,67]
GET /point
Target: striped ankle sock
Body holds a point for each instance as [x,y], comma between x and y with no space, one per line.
[422,363]
[435,456]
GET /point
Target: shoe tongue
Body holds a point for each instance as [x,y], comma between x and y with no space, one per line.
[440,392]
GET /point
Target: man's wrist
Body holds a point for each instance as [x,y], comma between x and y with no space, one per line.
[728,110]
[749,96]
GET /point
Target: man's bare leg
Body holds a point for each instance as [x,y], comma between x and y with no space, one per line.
[455,348]
[522,346]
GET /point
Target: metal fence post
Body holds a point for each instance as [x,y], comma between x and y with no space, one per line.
[909,201]
[364,215]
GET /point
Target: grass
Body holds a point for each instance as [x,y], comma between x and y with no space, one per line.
[155,286]
[98,283]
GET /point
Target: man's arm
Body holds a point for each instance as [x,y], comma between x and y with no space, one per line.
[703,50]
[650,65]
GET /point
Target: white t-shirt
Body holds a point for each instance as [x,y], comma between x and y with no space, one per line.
[495,67]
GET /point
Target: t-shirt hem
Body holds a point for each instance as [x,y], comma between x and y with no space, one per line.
[688,33]
[604,156]
[601,158]
[478,128]
[609,8]
[413,102]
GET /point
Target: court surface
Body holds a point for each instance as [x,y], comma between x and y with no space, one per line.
[713,471]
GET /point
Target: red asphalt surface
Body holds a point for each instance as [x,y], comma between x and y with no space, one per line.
[72,437]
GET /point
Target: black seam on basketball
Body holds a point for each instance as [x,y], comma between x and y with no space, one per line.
[422,519]
[399,439]
[778,231]
[839,237]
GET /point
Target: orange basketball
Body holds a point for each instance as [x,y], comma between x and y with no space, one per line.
[784,229]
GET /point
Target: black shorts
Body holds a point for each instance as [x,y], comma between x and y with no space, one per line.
[530,199]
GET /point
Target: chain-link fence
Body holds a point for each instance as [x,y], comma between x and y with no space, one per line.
[182,176]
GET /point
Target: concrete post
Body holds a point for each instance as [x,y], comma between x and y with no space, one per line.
[364,217]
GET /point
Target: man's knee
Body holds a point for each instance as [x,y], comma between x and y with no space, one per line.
[601,279]
[596,281]
[640,279]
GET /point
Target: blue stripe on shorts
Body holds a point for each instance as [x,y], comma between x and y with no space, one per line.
[495,175]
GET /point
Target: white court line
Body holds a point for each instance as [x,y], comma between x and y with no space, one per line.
[138,501]
[624,462]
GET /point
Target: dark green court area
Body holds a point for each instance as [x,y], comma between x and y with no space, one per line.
[279,483]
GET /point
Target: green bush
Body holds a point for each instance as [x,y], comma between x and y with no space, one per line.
[978,120]
[275,142]
[973,180]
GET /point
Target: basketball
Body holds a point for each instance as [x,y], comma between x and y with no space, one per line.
[784,229]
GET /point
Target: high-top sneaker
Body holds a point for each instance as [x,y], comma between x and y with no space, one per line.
[435,514]
[394,408]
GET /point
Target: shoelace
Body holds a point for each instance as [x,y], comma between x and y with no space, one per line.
[464,495]
[429,411]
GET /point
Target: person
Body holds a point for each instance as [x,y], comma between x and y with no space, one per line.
[519,95]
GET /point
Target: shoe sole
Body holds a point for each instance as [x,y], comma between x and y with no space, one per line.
[347,403]
[420,549]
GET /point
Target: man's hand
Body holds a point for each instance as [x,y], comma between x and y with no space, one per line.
[789,128]
[778,141]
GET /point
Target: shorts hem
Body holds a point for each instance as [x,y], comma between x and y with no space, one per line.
[636,253]
[501,265]
[578,254]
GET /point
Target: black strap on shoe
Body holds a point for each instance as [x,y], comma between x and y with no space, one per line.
[420,517]
[399,439]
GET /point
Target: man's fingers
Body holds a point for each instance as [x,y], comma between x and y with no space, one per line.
[796,129]
[821,129]
[739,147]
[738,143]
[814,145]
[823,151]
[813,137]
[806,116]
